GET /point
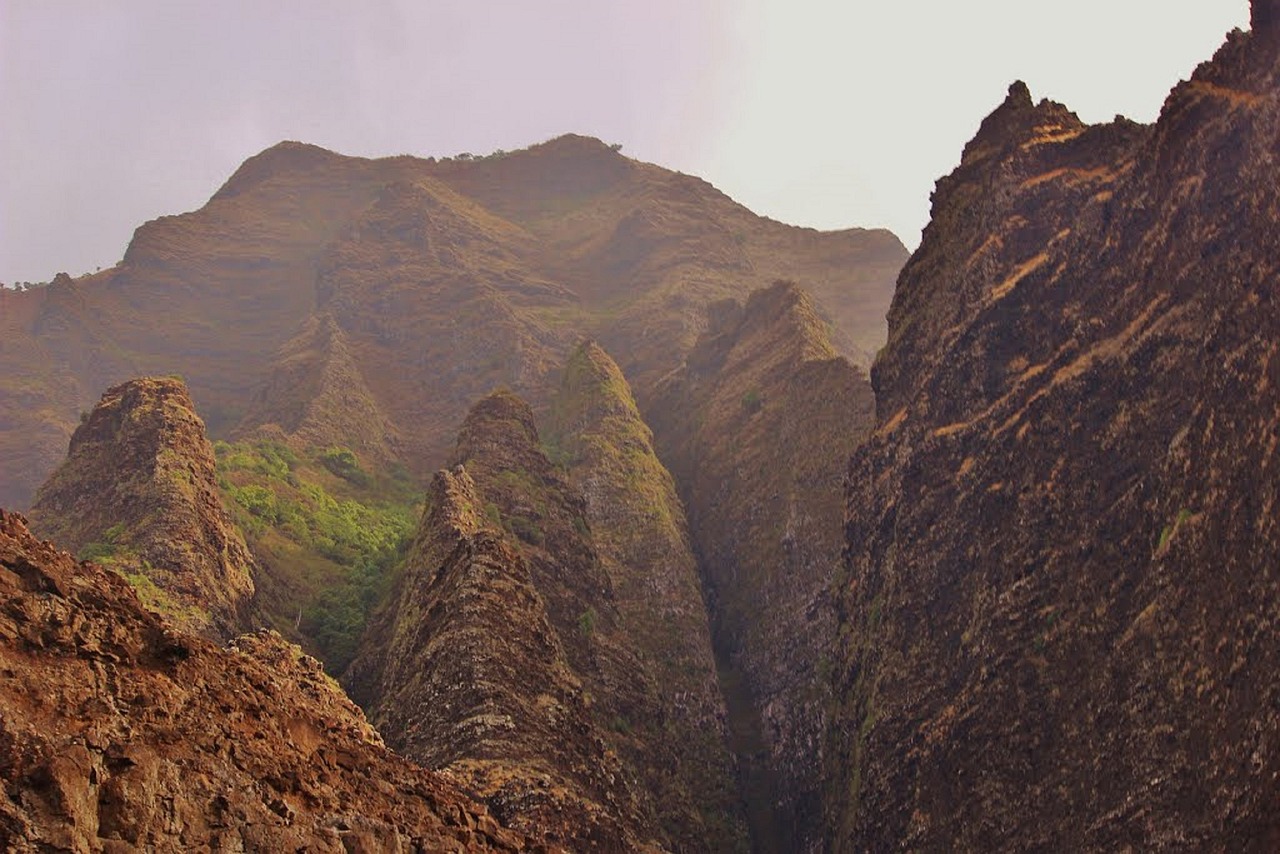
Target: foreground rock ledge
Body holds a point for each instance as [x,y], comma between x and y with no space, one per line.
[118,732]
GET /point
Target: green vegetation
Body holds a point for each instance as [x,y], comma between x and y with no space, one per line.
[1171,529]
[587,622]
[106,550]
[752,401]
[527,529]
[334,542]
[559,456]
[159,600]
[343,463]
[526,526]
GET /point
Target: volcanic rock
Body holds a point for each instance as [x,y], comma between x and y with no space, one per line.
[408,288]
[755,427]
[500,655]
[138,492]
[119,732]
[1057,627]
[675,737]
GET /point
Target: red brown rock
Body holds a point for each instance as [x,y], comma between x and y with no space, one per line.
[118,732]
[755,426]
[368,303]
[1058,625]
[138,490]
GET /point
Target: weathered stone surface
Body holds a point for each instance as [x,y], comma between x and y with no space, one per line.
[499,656]
[756,426]
[1058,624]
[673,730]
[138,492]
[119,732]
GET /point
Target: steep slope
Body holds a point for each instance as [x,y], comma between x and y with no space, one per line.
[120,733]
[408,288]
[317,394]
[465,672]
[639,528]
[536,656]
[755,426]
[1058,624]
[138,491]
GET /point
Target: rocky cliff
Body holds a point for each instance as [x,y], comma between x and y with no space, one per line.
[1058,622]
[756,426]
[507,653]
[464,671]
[677,739]
[369,303]
[138,492]
[118,732]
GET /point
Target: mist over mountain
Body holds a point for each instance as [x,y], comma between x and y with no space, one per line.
[633,521]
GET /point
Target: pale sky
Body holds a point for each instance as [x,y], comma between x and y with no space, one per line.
[813,112]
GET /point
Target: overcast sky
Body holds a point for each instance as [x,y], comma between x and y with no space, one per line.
[815,112]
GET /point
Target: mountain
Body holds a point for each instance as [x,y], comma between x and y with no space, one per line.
[757,426]
[641,534]
[119,732]
[1057,622]
[336,319]
[512,653]
[338,301]
[464,671]
[138,492]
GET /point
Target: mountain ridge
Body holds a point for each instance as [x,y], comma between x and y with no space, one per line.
[498,265]
[1060,575]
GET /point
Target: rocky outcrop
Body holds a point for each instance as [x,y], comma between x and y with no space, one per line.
[754,427]
[1058,619]
[465,672]
[676,739]
[407,288]
[138,492]
[536,691]
[1265,17]
[118,732]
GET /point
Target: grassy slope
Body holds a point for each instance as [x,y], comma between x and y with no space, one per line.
[326,532]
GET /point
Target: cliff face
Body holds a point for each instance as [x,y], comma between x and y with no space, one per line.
[676,739]
[313,286]
[754,426]
[120,733]
[138,492]
[1057,624]
[507,654]
[466,672]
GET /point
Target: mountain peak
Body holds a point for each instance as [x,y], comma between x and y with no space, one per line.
[577,145]
[285,156]
[1017,119]
[502,419]
[1019,96]
[137,493]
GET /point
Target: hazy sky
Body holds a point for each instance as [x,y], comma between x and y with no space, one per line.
[815,112]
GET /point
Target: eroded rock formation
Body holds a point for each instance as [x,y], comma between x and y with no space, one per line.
[119,732]
[369,303]
[504,654]
[755,426]
[138,492]
[1059,618]
[676,738]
